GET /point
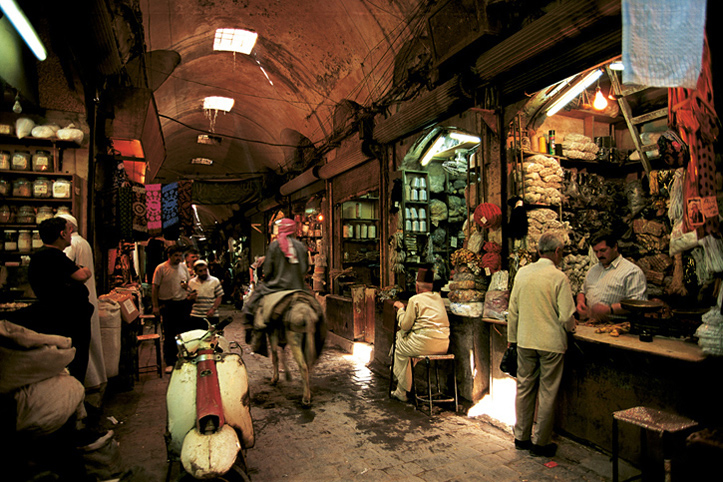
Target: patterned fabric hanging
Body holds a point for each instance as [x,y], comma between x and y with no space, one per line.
[693,114]
[140,212]
[153,209]
[169,204]
[185,210]
[125,207]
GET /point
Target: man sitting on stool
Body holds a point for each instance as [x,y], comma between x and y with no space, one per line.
[424,330]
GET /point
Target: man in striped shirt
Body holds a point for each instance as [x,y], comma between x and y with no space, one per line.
[206,293]
[613,279]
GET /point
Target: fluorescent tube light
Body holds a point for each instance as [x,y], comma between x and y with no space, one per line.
[24,28]
[617,65]
[235,40]
[432,151]
[462,138]
[218,103]
[574,91]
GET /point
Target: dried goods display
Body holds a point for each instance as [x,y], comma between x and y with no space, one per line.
[542,180]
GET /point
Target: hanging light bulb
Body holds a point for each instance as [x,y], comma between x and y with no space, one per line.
[600,101]
[17,108]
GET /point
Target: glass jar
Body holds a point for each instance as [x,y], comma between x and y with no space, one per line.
[63,210]
[25,241]
[41,160]
[5,157]
[6,214]
[22,188]
[44,212]
[61,188]
[42,187]
[21,161]
[36,241]
[26,215]
[5,187]
[11,240]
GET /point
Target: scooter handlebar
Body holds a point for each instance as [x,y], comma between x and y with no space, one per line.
[223,323]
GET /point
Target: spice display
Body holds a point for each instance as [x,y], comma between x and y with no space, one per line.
[22,188]
[61,188]
[578,146]
[542,179]
[42,187]
[5,158]
[44,212]
[11,240]
[24,241]
[20,161]
[6,214]
[41,161]
[26,215]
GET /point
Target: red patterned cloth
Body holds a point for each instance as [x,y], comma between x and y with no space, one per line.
[286,227]
[692,114]
[154,210]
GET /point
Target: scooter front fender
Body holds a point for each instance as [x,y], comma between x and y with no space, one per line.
[205,456]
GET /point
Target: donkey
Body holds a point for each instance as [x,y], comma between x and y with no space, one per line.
[294,318]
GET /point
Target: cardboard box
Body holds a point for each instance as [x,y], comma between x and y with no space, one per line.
[128,308]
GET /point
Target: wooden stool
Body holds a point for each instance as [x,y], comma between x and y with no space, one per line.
[156,338]
[438,396]
[663,423]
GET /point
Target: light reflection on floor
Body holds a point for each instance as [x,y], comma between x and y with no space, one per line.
[502,405]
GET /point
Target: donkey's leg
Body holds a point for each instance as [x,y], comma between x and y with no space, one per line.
[296,341]
[273,348]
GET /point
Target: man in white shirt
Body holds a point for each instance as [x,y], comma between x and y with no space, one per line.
[613,279]
[169,294]
[81,254]
[206,293]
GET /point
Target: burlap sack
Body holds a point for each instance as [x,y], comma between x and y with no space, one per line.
[28,357]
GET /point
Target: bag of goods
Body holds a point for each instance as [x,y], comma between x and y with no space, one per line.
[488,216]
[496,302]
[23,127]
[43,407]
[28,357]
[472,310]
[71,133]
[462,285]
[47,131]
[475,241]
[466,296]
[437,211]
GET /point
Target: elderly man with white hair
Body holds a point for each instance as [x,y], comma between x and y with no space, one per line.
[81,254]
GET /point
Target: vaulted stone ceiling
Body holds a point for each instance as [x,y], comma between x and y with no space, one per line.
[309,57]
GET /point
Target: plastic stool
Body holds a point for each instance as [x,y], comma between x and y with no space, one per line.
[438,396]
[155,337]
[657,421]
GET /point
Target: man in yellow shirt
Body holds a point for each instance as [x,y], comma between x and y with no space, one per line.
[541,312]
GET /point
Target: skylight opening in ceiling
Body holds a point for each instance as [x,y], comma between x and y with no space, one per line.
[224,104]
[209,140]
[234,40]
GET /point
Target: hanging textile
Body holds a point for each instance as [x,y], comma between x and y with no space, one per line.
[125,208]
[169,204]
[692,114]
[185,210]
[140,221]
[662,42]
[153,209]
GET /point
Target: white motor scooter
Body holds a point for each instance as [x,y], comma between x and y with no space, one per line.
[208,402]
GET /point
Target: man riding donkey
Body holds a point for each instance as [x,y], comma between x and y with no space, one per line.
[283,308]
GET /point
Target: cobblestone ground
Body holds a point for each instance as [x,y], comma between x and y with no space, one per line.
[353,431]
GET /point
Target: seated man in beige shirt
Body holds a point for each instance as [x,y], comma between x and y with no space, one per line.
[423,330]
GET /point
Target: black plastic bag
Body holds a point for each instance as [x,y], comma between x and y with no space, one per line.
[508,364]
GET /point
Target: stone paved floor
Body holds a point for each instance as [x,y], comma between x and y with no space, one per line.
[352,432]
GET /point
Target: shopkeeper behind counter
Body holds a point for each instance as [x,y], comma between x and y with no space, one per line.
[613,279]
